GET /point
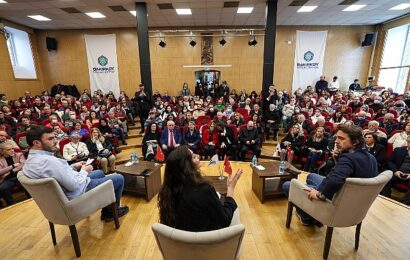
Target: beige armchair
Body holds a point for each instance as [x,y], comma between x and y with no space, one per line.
[52,201]
[223,243]
[348,207]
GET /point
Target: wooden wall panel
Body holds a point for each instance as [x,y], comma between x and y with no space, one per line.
[16,87]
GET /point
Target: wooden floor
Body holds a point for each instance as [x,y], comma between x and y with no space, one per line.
[24,232]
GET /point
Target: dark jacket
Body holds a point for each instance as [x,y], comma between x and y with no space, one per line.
[248,135]
[378,151]
[357,164]
[199,209]
[397,158]
[92,147]
[193,138]
[321,85]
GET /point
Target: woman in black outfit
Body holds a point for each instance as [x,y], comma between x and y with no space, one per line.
[294,141]
[187,202]
[151,138]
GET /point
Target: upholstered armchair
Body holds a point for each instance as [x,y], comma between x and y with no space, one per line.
[175,244]
[55,206]
[348,207]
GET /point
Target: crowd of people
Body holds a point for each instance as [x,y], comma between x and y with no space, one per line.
[212,121]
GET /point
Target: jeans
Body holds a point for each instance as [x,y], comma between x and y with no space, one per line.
[98,177]
[313,180]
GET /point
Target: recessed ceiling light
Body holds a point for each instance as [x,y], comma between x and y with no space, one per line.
[353,8]
[134,13]
[95,15]
[184,11]
[400,6]
[39,18]
[307,8]
[244,10]
[3,2]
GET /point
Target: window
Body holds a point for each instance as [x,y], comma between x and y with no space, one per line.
[21,55]
[395,64]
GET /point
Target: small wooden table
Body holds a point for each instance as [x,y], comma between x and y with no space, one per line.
[135,183]
[219,185]
[268,183]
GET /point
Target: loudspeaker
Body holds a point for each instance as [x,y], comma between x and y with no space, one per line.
[51,44]
[368,39]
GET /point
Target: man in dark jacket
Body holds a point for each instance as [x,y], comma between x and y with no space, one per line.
[352,162]
[321,85]
[142,103]
[272,121]
[399,164]
[249,140]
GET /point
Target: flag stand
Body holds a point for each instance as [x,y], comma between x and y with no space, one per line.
[221,174]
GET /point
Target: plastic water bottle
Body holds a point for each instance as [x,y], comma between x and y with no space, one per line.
[282,166]
[254,161]
[136,159]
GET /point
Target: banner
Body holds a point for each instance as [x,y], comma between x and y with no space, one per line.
[309,57]
[102,63]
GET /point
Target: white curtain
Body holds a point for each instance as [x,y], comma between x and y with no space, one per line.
[102,63]
[309,57]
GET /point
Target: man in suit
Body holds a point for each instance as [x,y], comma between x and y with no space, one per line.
[142,103]
[374,148]
[170,138]
[400,165]
[355,85]
[249,139]
[389,124]
[321,85]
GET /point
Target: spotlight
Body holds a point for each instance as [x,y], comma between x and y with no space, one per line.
[222,41]
[252,42]
[162,44]
[192,43]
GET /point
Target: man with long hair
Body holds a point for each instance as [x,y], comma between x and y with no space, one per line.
[75,179]
[187,202]
[353,161]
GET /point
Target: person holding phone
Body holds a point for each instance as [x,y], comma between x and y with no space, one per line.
[188,202]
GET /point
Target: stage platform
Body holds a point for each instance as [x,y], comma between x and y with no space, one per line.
[25,234]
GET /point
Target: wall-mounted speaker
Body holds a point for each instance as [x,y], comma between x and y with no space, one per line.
[368,39]
[51,44]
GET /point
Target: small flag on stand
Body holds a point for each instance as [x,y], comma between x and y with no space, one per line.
[227,166]
[214,160]
[160,155]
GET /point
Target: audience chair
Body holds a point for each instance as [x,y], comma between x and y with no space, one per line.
[57,209]
[223,243]
[348,207]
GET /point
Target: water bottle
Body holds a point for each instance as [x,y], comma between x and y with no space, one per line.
[254,161]
[136,159]
[282,166]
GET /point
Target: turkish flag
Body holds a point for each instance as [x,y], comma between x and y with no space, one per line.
[160,155]
[227,166]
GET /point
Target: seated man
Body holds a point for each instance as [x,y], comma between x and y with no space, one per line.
[400,165]
[352,162]
[249,140]
[373,128]
[170,138]
[4,139]
[75,179]
[10,163]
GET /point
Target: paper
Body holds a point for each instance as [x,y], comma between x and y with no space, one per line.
[128,164]
[89,161]
[260,167]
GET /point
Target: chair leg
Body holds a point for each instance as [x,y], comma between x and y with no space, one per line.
[53,233]
[356,242]
[115,211]
[76,242]
[328,241]
[289,216]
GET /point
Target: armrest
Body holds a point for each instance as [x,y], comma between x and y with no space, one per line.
[320,210]
[91,201]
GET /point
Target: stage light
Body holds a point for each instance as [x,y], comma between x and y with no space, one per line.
[252,42]
[162,44]
[222,41]
[192,43]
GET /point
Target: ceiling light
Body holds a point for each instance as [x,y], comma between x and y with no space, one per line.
[353,8]
[244,10]
[252,42]
[184,11]
[222,41]
[400,6]
[95,15]
[307,8]
[3,2]
[39,18]
[134,13]
[192,43]
[162,44]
